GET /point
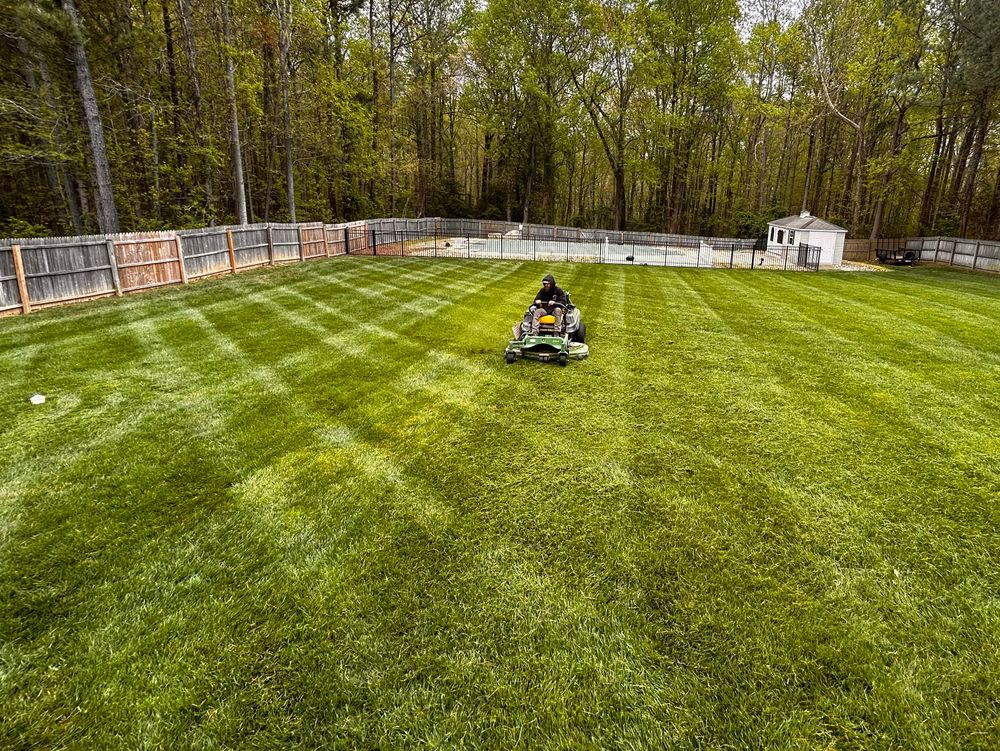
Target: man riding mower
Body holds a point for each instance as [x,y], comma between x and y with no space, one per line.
[551,329]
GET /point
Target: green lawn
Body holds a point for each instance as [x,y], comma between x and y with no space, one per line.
[312,507]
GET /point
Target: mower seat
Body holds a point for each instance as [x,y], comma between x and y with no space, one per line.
[547,319]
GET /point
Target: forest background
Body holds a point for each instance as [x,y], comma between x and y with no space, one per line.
[685,116]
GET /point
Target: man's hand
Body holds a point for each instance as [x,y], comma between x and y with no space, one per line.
[538,302]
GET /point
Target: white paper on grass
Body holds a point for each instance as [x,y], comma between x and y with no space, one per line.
[38,399]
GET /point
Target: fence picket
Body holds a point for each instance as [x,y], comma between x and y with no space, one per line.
[232,251]
[115,278]
[22,283]
[180,259]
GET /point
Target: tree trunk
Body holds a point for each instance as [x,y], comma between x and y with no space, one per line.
[621,206]
[56,175]
[895,148]
[993,222]
[531,175]
[239,186]
[963,158]
[930,188]
[983,110]
[107,212]
[487,173]
[191,53]
[809,162]
[372,185]
[285,42]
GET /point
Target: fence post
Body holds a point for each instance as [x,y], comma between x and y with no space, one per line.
[975,258]
[347,241]
[435,239]
[22,283]
[270,246]
[180,259]
[785,267]
[302,245]
[954,246]
[232,251]
[113,260]
[374,247]
[326,245]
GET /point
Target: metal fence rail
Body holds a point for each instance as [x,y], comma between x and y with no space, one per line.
[466,238]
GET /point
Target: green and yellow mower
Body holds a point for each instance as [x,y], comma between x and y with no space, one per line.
[559,343]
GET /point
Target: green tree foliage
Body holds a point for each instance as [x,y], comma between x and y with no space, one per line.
[698,117]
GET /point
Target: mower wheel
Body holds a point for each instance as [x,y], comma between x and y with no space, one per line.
[563,359]
[510,357]
[580,335]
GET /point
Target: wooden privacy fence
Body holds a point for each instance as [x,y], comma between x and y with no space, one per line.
[39,272]
[859,250]
[977,255]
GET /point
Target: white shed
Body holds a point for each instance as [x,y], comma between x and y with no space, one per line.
[811,230]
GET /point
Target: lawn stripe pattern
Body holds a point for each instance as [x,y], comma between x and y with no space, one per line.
[312,507]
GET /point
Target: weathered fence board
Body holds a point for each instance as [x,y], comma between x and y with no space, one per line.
[148,260]
[285,243]
[987,257]
[66,270]
[10,297]
[978,255]
[336,239]
[250,246]
[313,239]
[859,250]
[206,252]
[358,238]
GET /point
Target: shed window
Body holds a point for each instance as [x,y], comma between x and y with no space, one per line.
[791,237]
[772,234]
[781,237]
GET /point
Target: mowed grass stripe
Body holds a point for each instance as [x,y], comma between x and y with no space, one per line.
[269,380]
[841,364]
[898,381]
[422,545]
[911,434]
[36,376]
[933,334]
[729,300]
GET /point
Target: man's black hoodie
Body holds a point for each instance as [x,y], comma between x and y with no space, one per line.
[553,293]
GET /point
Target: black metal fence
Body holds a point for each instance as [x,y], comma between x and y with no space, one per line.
[473,239]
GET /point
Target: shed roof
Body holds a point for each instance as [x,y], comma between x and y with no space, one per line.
[798,221]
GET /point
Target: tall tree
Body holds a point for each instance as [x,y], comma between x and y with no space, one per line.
[239,184]
[107,211]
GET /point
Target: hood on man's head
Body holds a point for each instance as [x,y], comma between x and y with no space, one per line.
[550,279]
